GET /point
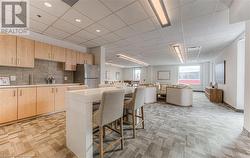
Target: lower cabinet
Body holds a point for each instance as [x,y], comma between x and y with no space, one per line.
[26,102]
[60,98]
[8,105]
[45,100]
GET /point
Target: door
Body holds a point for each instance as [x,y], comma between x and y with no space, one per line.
[7,50]
[45,100]
[25,52]
[58,54]
[8,105]
[26,102]
[42,51]
[60,98]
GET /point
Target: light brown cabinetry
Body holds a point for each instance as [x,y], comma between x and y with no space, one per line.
[214,94]
[8,105]
[42,51]
[25,52]
[58,54]
[45,100]
[84,58]
[71,60]
[60,98]
[26,102]
[7,50]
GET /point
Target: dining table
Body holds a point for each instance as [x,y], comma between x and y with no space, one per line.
[79,132]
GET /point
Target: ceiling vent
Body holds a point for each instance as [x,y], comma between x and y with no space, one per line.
[193,53]
[70,2]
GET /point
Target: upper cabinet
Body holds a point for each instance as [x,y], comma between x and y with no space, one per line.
[84,58]
[43,51]
[25,52]
[71,60]
[58,54]
[8,50]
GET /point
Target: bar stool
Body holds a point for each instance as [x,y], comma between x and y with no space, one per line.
[131,107]
[110,110]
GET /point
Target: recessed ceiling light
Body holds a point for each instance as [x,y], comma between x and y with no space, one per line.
[47,4]
[78,20]
[98,30]
[160,10]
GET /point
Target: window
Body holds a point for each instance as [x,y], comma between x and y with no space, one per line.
[137,74]
[189,75]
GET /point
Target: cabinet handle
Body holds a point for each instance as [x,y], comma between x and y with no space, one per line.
[14,93]
[18,61]
[52,90]
[21,92]
[49,55]
[56,90]
[12,60]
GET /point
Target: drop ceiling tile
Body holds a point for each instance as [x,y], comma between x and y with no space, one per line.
[90,44]
[53,32]
[99,40]
[111,37]
[45,17]
[116,4]
[58,7]
[72,14]
[125,32]
[86,35]
[75,39]
[112,22]
[65,26]
[37,26]
[132,13]
[92,29]
[143,26]
[92,8]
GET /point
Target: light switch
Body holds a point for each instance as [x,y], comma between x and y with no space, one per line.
[12,78]
[65,78]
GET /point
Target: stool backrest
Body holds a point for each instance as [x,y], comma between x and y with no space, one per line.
[139,97]
[111,107]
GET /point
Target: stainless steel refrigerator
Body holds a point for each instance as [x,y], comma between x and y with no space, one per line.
[88,75]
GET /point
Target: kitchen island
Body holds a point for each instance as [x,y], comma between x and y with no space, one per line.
[79,136]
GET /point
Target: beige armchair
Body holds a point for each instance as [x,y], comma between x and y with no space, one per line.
[111,110]
[133,105]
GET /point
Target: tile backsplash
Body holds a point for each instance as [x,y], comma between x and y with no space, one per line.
[39,73]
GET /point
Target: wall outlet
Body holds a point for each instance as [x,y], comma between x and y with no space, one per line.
[13,78]
[65,78]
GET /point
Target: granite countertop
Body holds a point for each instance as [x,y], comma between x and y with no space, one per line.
[39,85]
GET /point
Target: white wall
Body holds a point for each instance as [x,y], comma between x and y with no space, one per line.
[229,54]
[111,73]
[247,80]
[240,74]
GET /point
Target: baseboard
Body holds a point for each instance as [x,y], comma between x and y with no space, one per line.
[233,108]
[198,91]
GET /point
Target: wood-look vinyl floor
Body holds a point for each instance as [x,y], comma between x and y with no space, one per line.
[205,130]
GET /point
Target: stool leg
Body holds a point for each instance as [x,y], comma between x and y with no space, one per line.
[121,130]
[133,123]
[142,115]
[101,142]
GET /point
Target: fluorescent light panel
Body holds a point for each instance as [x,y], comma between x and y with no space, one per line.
[132,60]
[178,52]
[116,65]
[160,10]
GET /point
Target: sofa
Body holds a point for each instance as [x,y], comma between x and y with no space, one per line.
[181,96]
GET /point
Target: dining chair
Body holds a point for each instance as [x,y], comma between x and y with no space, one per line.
[131,106]
[110,110]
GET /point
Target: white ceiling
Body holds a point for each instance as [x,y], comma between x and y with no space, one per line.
[131,28]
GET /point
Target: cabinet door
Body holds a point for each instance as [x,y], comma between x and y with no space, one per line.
[7,50]
[26,102]
[25,52]
[90,59]
[45,100]
[42,51]
[60,98]
[70,63]
[80,58]
[8,105]
[58,54]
